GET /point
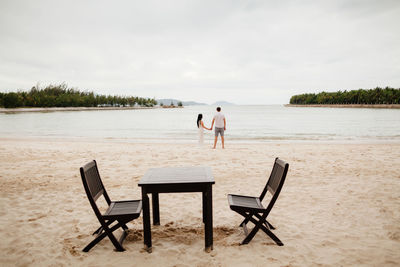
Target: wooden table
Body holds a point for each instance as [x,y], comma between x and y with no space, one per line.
[176,180]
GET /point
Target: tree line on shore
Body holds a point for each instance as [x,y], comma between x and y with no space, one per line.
[62,96]
[378,95]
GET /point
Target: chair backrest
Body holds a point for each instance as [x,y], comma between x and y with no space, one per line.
[93,185]
[275,181]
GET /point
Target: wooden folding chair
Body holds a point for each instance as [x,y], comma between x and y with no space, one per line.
[252,209]
[120,212]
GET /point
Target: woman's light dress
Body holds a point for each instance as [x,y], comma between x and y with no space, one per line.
[201,133]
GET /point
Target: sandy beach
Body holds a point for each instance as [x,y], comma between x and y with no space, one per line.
[340,205]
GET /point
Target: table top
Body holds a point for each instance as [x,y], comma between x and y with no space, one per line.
[177,175]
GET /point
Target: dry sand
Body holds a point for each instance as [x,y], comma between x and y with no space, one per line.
[340,205]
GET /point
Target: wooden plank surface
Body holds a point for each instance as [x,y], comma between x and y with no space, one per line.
[177,175]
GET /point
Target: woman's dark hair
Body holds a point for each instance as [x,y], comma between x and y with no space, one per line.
[199,119]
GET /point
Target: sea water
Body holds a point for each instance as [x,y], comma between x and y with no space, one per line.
[244,124]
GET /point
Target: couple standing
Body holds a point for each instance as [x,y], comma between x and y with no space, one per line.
[220,127]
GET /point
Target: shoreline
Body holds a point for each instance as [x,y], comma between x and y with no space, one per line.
[390,106]
[230,143]
[53,109]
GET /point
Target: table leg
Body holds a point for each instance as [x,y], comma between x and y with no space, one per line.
[204,206]
[146,220]
[156,208]
[209,220]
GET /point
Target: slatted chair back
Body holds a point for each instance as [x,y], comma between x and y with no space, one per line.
[275,181]
[93,185]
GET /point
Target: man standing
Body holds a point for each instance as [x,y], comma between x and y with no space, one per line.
[220,126]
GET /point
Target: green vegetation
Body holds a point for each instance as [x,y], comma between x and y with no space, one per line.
[180,104]
[362,96]
[62,96]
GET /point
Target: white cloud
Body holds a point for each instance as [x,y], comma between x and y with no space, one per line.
[240,51]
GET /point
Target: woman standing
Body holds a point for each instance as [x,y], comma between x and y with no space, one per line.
[201,126]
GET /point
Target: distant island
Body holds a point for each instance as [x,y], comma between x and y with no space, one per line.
[175,102]
[60,96]
[222,103]
[379,97]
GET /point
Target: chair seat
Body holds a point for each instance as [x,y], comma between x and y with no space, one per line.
[237,202]
[123,209]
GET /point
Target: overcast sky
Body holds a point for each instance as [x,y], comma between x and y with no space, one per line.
[246,52]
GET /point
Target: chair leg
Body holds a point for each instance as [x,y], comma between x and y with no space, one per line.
[123,225]
[124,232]
[272,236]
[270,225]
[94,242]
[259,223]
[100,229]
[249,236]
[123,236]
[244,222]
[117,245]
[267,224]
[247,219]
[107,232]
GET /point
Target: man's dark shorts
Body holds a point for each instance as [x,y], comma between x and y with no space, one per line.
[219,131]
